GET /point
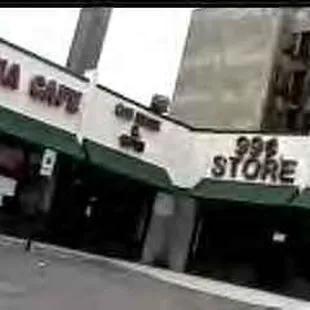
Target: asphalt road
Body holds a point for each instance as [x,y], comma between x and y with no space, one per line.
[80,284]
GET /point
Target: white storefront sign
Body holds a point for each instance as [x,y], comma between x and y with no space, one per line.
[255,158]
[48,162]
[188,156]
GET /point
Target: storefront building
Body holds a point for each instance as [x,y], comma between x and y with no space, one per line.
[116,178]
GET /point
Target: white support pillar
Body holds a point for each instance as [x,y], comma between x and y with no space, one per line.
[86,104]
[156,243]
[170,232]
[181,232]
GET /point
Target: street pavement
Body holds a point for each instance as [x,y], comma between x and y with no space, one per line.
[41,281]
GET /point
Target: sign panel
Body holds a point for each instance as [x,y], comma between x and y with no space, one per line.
[48,163]
[38,89]
[270,160]
[47,91]
[140,120]
[255,159]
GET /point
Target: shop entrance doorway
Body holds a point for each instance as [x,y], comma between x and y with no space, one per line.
[18,161]
[244,244]
[101,212]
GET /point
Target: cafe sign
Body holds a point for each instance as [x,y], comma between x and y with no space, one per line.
[40,89]
[255,159]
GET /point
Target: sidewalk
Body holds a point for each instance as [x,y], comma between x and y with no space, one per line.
[75,280]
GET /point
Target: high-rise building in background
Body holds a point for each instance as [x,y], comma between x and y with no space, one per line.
[88,39]
[225,78]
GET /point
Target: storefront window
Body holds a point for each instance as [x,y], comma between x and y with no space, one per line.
[12,162]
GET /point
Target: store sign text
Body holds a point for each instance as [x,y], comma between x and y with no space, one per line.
[41,89]
[255,160]
[133,140]
[140,119]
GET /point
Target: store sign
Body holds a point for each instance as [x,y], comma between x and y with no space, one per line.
[41,89]
[48,163]
[133,140]
[54,94]
[139,118]
[255,159]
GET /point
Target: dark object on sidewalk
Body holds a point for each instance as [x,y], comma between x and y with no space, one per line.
[30,222]
[35,225]
[28,244]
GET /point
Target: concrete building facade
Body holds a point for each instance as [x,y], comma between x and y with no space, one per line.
[155,186]
[226,76]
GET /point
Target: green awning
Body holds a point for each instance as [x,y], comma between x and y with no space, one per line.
[123,164]
[39,133]
[243,192]
[302,200]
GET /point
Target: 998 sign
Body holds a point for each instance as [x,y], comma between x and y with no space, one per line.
[255,159]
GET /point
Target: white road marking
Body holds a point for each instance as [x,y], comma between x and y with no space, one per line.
[204,285]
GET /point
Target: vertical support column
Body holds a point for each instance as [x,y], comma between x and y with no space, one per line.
[48,193]
[171,229]
[181,231]
[156,243]
[88,39]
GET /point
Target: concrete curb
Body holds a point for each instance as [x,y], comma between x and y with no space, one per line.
[203,285]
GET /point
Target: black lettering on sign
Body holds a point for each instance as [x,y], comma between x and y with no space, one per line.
[40,88]
[154,124]
[124,112]
[234,164]
[54,95]
[9,74]
[11,77]
[37,87]
[147,122]
[242,146]
[138,146]
[287,172]
[125,141]
[73,101]
[254,166]
[3,65]
[250,169]
[270,170]
[135,132]
[271,148]
[257,147]
[219,166]
[63,95]
[140,119]
[50,93]
[133,140]
[118,109]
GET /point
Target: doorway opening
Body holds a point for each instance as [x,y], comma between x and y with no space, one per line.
[19,162]
[100,212]
[251,245]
